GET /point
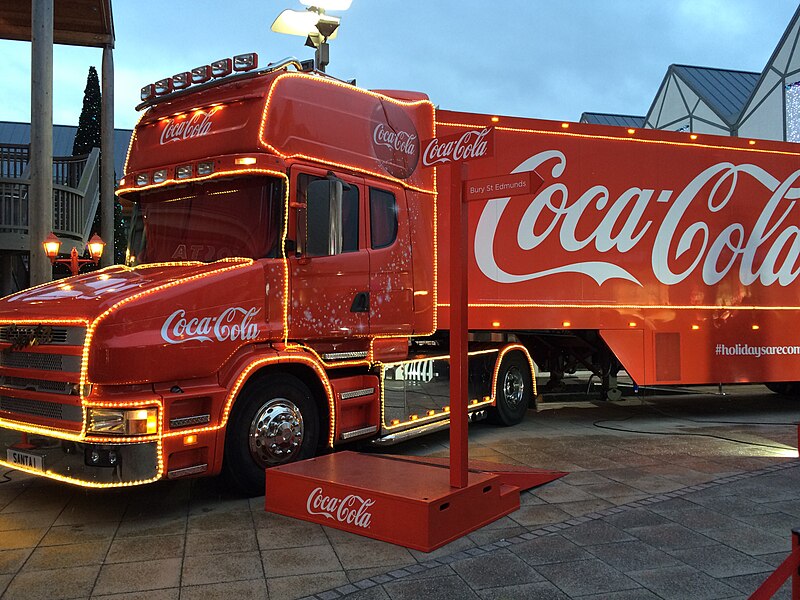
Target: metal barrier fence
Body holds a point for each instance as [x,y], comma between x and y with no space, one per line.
[788,568]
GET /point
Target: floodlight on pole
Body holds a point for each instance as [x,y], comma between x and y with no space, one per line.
[314,25]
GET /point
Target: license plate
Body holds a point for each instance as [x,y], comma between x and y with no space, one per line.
[25,459]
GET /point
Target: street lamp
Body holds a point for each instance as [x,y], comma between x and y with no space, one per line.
[52,245]
[313,24]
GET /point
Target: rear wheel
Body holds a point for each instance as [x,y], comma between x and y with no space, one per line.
[514,390]
[274,421]
[784,388]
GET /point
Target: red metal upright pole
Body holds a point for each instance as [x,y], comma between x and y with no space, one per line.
[459,369]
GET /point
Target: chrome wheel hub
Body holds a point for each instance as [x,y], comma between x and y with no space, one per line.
[513,387]
[276,433]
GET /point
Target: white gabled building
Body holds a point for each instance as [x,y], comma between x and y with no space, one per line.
[728,102]
[700,100]
[773,110]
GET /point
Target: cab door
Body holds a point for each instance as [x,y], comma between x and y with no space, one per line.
[391,278]
[329,278]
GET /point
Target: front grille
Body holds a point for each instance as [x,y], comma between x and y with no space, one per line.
[37,385]
[45,334]
[37,408]
[41,362]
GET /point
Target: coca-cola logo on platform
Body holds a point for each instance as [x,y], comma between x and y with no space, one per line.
[695,229]
[351,509]
[395,141]
[181,128]
[471,144]
[232,324]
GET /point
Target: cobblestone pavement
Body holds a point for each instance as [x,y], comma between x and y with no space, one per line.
[689,496]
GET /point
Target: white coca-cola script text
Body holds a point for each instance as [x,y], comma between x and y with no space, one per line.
[699,230]
[351,509]
[183,128]
[232,324]
[401,141]
[472,144]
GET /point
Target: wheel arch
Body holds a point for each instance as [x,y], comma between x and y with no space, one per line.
[304,367]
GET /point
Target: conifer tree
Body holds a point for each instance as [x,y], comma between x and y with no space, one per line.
[88,137]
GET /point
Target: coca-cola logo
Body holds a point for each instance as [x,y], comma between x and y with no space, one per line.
[351,509]
[232,324]
[698,231]
[469,145]
[395,141]
[180,128]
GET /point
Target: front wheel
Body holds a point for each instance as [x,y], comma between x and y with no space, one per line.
[514,390]
[274,421]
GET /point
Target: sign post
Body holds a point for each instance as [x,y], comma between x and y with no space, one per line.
[457,150]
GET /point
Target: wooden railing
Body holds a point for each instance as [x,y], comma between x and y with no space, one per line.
[75,195]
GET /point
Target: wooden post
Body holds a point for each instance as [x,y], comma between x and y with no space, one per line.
[40,195]
[459,359]
[107,176]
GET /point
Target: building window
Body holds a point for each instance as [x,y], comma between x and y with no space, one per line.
[793,112]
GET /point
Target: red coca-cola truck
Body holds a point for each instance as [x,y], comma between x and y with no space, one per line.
[286,285]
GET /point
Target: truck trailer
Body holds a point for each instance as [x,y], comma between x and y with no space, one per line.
[285,290]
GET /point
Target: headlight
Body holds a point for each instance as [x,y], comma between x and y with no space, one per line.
[137,421]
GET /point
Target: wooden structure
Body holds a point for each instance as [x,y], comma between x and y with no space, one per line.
[45,23]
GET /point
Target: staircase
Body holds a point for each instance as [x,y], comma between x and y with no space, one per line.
[76,195]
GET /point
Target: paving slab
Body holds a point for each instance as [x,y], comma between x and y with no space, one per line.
[640,516]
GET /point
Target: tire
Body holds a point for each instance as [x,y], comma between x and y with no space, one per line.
[784,388]
[274,421]
[514,390]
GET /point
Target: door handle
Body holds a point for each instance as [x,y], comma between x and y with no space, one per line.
[360,303]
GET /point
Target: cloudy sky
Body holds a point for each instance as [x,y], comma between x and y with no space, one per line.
[539,58]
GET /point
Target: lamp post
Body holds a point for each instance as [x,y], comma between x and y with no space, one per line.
[52,245]
[313,24]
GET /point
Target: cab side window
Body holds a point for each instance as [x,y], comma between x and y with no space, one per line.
[382,218]
[349,224]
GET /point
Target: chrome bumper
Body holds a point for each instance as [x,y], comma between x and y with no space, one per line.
[114,464]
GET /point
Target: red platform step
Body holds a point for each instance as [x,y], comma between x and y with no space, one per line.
[403,500]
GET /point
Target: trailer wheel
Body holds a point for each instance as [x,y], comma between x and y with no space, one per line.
[784,388]
[274,421]
[514,390]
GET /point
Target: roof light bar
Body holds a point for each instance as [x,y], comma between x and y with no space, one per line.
[202,74]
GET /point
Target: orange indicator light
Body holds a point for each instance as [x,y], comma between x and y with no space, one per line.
[246,160]
[565,125]
[414,417]
[631,131]
[495,323]
[632,324]
[190,440]
[695,327]
[566,324]
[431,413]
[446,409]
[752,142]
[395,422]
[693,137]
[495,119]
[756,327]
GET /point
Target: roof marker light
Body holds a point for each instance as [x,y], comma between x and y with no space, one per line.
[201,74]
[148,92]
[181,81]
[222,68]
[246,160]
[245,62]
[693,136]
[631,131]
[163,86]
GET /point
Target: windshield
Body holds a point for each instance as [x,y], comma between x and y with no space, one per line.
[207,222]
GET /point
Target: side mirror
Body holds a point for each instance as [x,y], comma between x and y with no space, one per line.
[324,217]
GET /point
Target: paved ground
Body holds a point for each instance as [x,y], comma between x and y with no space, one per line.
[696,498]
